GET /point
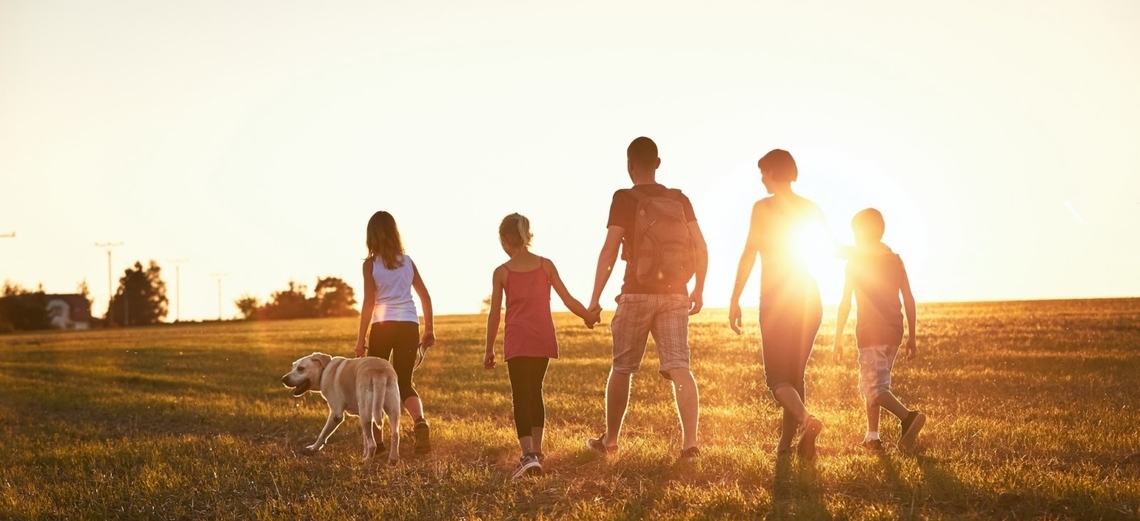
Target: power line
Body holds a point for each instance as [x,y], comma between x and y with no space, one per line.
[219,277]
[177,287]
[110,295]
[9,235]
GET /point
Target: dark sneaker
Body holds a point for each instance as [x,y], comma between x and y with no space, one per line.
[690,454]
[541,457]
[528,466]
[806,447]
[423,436]
[875,445]
[911,426]
[599,445]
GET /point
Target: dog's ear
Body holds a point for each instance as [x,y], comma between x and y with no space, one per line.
[321,359]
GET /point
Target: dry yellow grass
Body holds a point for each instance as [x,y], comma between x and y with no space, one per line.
[1032,411]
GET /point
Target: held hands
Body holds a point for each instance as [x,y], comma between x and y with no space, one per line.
[734,317]
[911,348]
[593,316]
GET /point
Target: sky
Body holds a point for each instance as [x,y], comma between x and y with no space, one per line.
[253,139]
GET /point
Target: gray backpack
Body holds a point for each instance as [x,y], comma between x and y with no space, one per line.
[663,252]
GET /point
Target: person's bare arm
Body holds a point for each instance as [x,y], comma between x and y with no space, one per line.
[493,315]
[696,298]
[841,320]
[908,305]
[367,304]
[427,339]
[744,267]
[606,260]
[838,249]
[571,303]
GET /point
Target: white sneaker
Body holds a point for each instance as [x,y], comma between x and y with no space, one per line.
[528,466]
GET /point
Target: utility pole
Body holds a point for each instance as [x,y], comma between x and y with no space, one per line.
[177,287]
[111,295]
[219,277]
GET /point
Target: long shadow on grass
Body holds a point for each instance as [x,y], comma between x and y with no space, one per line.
[795,491]
[905,492]
[954,497]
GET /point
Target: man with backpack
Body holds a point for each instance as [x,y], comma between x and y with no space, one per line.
[662,245]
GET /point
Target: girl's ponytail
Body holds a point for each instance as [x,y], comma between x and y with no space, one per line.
[514,231]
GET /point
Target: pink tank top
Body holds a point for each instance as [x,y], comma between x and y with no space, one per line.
[529,326]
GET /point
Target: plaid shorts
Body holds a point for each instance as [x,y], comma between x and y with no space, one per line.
[875,364]
[666,317]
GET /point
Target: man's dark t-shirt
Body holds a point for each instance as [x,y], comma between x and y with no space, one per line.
[623,212]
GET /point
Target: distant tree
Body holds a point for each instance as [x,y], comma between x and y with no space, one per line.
[85,292]
[249,306]
[141,297]
[289,304]
[486,307]
[333,298]
[23,309]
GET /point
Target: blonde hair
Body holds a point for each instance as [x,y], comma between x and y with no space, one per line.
[383,240]
[514,231]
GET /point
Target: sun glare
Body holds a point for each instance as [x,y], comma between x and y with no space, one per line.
[815,249]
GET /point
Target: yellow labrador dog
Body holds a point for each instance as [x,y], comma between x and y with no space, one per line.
[365,387]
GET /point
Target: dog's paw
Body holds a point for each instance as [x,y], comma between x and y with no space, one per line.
[311,449]
[394,462]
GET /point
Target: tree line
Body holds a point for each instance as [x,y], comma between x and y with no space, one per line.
[332,297]
[141,300]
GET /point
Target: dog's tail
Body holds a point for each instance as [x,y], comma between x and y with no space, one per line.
[376,399]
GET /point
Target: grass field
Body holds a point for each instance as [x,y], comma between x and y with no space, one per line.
[1032,407]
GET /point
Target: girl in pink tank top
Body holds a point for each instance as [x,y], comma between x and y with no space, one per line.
[529,341]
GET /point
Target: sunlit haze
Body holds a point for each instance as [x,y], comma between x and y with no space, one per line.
[255,139]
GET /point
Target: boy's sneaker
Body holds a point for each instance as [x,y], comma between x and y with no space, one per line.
[911,426]
[423,436]
[875,445]
[690,454]
[528,466]
[806,447]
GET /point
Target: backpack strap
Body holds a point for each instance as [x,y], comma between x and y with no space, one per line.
[637,196]
[672,193]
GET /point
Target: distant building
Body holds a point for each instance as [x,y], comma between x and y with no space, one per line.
[70,311]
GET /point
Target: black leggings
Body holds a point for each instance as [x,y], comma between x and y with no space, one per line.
[788,325]
[397,342]
[527,374]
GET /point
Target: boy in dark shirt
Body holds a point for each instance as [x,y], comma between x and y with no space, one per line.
[876,276]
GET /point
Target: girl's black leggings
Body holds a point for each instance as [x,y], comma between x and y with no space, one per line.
[527,374]
[397,343]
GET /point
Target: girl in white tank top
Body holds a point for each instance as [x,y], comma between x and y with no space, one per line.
[388,310]
[394,291]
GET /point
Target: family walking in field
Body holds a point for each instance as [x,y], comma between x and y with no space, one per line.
[654,229]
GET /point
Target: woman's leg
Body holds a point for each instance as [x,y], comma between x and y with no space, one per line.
[780,363]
